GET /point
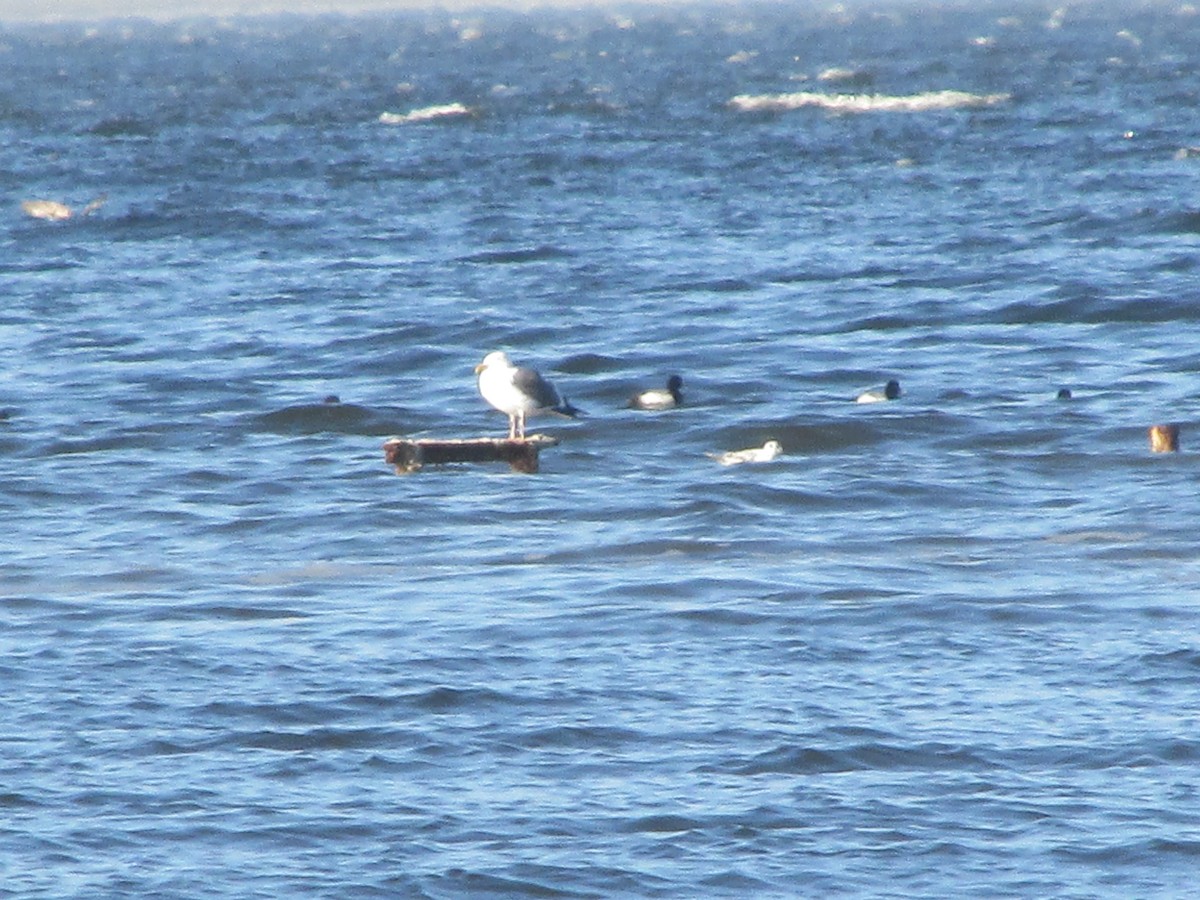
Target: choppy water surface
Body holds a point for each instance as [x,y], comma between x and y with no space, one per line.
[944,646]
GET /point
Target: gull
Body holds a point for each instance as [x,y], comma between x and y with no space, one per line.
[767,452]
[518,392]
[660,398]
[890,391]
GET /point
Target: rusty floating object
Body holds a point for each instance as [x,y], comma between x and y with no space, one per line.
[1164,438]
[412,455]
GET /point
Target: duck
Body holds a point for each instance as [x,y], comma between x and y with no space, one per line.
[890,391]
[659,398]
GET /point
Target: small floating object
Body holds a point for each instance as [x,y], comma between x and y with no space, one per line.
[520,453]
[1063,394]
[767,452]
[53,211]
[890,391]
[659,398]
[1164,438]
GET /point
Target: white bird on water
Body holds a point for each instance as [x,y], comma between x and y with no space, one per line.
[659,398]
[767,452]
[518,392]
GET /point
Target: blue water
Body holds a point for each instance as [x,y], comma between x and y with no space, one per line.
[944,646]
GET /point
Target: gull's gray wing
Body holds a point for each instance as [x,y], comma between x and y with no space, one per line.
[532,384]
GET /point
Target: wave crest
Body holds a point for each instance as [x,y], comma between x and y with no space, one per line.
[427,114]
[929,100]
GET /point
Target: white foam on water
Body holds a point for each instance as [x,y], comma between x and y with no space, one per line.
[856,103]
[427,114]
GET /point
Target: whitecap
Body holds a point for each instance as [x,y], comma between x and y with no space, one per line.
[427,114]
[854,103]
[50,210]
[53,211]
[844,75]
[742,56]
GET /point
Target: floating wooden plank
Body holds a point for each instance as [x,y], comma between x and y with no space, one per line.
[520,453]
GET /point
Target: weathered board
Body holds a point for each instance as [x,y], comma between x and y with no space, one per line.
[520,453]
